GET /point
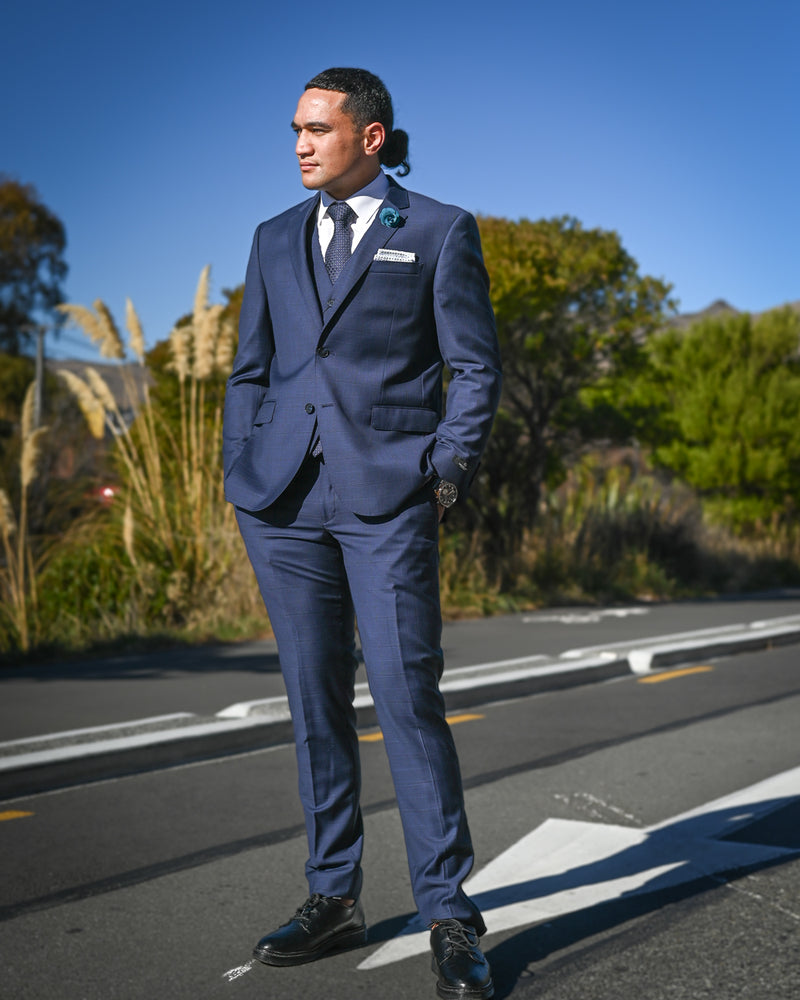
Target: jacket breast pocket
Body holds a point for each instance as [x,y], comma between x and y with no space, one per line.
[411,419]
[395,267]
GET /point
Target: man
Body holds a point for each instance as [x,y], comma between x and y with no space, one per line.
[340,461]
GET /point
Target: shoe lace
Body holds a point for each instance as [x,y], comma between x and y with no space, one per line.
[306,911]
[460,937]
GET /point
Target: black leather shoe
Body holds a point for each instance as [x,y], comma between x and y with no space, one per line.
[463,971]
[322,924]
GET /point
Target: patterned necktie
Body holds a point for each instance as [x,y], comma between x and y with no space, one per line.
[339,248]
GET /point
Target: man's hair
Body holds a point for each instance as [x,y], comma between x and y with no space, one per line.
[367,100]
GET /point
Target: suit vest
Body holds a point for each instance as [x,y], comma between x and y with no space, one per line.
[316,262]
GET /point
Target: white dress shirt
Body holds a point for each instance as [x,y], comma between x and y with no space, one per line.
[365,203]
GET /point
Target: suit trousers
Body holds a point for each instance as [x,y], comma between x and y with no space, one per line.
[319,567]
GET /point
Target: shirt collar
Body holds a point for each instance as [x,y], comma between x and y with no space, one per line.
[363,202]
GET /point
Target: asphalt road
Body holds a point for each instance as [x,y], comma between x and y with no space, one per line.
[157,885]
[51,697]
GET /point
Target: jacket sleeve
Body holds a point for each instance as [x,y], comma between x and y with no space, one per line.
[467,335]
[249,379]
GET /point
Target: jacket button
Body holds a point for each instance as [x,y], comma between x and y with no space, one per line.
[309,407]
[324,352]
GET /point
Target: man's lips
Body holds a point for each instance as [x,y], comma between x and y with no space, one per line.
[305,165]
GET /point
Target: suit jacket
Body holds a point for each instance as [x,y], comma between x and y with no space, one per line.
[363,364]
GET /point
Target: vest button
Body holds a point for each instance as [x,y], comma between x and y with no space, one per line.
[309,407]
[324,352]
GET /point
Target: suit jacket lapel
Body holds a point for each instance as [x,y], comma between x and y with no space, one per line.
[376,236]
[298,254]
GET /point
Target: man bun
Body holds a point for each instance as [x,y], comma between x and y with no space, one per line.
[394,152]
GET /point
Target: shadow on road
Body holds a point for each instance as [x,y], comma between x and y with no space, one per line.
[252,657]
[684,856]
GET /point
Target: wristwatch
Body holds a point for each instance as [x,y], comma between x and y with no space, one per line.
[446,493]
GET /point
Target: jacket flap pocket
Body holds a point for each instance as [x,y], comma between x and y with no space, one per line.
[414,419]
[265,411]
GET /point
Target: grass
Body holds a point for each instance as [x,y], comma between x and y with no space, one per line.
[614,531]
[18,575]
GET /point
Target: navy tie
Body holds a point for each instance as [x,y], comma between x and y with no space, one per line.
[339,248]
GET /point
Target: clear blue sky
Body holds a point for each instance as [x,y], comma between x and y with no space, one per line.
[158,131]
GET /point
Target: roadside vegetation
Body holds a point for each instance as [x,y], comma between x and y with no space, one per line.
[633,458]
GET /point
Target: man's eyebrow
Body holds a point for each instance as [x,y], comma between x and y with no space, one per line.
[296,127]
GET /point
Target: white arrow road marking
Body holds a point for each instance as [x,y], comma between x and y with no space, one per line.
[564,866]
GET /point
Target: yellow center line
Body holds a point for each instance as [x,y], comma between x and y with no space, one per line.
[670,675]
[452,719]
[13,814]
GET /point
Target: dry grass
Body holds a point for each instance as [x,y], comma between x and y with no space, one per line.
[167,555]
[177,531]
[18,584]
[99,327]
[614,531]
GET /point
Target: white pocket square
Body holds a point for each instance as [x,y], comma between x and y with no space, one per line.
[397,255]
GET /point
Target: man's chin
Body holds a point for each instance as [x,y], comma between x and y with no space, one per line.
[310,181]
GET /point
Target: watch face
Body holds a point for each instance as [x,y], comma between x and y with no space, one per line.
[446,493]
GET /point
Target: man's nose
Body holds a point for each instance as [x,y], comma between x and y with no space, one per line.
[302,147]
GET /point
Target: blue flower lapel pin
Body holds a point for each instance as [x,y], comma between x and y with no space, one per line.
[390,218]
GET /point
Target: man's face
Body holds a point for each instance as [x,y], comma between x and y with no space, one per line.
[333,155]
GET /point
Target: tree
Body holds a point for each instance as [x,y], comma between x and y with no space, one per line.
[32,242]
[720,405]
[571,308]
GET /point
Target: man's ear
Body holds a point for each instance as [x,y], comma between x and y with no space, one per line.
[374,138]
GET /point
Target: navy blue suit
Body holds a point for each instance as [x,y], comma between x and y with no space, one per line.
[359,364]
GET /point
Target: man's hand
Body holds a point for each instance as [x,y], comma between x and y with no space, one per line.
[441,512]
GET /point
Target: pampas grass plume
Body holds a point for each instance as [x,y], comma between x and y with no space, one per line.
[27,410]
[31,453]
[98,326]
[111,346]
[180,342]
[8,523]
[91,407]
[201,295]
[128,531]
[100,388]
[205,342]
[224,357]
[84,318]
[135,330]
